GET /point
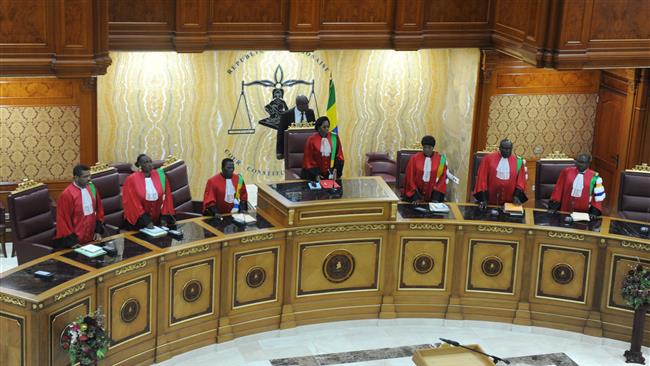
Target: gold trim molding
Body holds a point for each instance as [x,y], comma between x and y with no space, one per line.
[558,235]
[416,146]
[635,245]
[339,229]
[193,250]
[556,155]
[427,227]
[12,300]
[71,291]
[302,125]
[640,168]
[255,238]
[130,268]
[489,149]
[495,229]
[170,160]
[26,185]
[100,167]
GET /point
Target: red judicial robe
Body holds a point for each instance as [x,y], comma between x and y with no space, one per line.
[414,172]
[500,191]
[70,218]
[135,204]
[312,157]
[590,197]
[215,193]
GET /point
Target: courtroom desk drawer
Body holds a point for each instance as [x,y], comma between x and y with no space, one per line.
[188,297]
[129,297]
[253,275]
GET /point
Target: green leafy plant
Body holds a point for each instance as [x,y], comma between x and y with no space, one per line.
[85,339]
[636,287]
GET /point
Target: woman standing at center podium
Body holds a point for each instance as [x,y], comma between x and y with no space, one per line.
[146,197]
[323,154]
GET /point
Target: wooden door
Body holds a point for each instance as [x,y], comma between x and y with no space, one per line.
[610,140]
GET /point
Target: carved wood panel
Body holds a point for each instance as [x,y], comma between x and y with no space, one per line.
[358,11]
[144,24]
[26,24]
[14,342]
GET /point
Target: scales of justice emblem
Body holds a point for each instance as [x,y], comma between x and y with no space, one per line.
[276,105]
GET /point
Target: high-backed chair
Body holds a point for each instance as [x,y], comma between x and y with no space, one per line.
[634,194]
[294,149]
[547,172]
[176,173]
[476,162]
[125,169]
[3,230]
[32,224]
[403,156]
[107,181]
[378,163]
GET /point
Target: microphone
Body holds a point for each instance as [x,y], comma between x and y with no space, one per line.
[495,359]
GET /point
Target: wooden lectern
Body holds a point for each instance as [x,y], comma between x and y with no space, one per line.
[446,355]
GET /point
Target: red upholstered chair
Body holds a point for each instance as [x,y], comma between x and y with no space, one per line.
[403,156]
[176,173]
[634,194]
[547,172]
[32,223]
[378,163]
[294,147]
[107,182]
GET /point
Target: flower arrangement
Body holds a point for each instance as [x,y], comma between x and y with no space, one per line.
[636,287]
[85,339]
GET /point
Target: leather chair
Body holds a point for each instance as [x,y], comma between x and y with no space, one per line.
[176,173]
[403,157]
[546,174]
[31,221]
[107,182]
[378,163]
[634,194]
[3,230]
[294,148]
[125,169]
[476,162]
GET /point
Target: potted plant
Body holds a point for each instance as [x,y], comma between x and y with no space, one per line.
[636,292]
[85,339]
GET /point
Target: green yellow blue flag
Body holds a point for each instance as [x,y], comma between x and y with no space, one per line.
[331,109]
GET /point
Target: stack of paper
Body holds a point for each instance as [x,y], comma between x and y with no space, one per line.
[512,209]
[580,216]
[244,218]
[155,232]
[438,207]
[90,250]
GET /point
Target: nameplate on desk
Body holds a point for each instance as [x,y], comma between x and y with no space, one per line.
[558,235]
[71,291]
[194,250]
[130,268]
[495,229]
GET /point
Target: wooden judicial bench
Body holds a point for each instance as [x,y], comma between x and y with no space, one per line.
[317,257]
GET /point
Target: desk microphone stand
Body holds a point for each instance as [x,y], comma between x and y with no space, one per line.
[495,359]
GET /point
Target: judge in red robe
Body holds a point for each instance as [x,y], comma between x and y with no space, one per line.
[501,178]
[317,159]
[225,192]
[79,212]
[578,189]
[146,203]
[426,174]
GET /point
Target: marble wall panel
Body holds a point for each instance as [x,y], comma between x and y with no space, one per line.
[190,105]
